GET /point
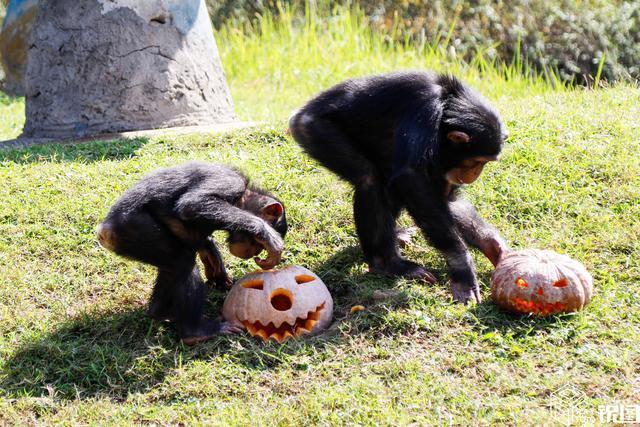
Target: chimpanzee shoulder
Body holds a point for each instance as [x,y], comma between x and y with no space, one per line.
[362,96]
[166,185]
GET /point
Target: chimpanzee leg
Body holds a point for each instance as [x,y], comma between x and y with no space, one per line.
[374,214]
[403,234]
[432,215]
[214,269]
[375,223]
[178,293]
[182,285]
[137,235]
[323,141]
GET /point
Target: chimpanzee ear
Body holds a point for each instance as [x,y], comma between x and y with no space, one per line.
[458,137]
[273,210]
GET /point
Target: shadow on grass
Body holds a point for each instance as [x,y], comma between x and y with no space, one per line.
[116,354]
[345,285]
[488,317]
[336,271]
[89,151]
[355,289]
[380,295]
[91,355]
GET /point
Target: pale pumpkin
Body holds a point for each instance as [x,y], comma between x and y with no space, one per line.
[279,304]
[540,282]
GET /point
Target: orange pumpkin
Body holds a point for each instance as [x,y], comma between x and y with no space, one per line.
[279,304]
[540,282]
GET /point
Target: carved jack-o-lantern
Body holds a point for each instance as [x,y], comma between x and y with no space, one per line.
[540,282]
[279,304]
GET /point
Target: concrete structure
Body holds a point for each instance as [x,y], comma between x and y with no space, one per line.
[102,66]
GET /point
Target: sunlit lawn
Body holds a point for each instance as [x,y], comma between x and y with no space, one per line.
[76,346]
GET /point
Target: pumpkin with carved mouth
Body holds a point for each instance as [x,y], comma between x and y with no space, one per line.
[280,304]
[540,282]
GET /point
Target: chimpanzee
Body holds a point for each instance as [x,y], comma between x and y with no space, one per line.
[408,140]
[168,217]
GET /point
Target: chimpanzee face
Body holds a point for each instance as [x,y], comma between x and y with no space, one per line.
[469,170]
[469,154]
[244,245]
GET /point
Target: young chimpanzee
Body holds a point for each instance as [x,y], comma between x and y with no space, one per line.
[168,217]
[408,140]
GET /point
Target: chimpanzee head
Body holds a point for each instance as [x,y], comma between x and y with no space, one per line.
[266,206]
[471,133]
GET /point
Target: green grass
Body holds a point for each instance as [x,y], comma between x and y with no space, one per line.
[12,114]
[76,346]
[274,65]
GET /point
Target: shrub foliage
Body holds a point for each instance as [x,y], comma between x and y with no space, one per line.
[578,40]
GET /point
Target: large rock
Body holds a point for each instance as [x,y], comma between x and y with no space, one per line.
[98,66]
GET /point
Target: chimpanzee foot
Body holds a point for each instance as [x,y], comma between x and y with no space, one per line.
[228,328]
[161,317]
[411,270]
[404,235]
[158,312]
[403,268]
[463,293]
[207,330]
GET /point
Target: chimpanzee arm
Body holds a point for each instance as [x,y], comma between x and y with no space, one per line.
[477,232]
[431,213]
[201,205]
[214,269]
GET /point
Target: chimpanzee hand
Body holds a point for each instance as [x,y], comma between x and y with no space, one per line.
[465,293]
[273,244]
[494,247]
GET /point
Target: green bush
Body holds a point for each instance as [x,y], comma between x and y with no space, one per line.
[578,40]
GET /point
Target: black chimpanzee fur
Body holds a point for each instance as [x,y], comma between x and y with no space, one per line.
[168,217]
[390,137]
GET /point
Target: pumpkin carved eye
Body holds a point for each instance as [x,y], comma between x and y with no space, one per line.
[254,284]
[304,278]
[521,282]
[562,283]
